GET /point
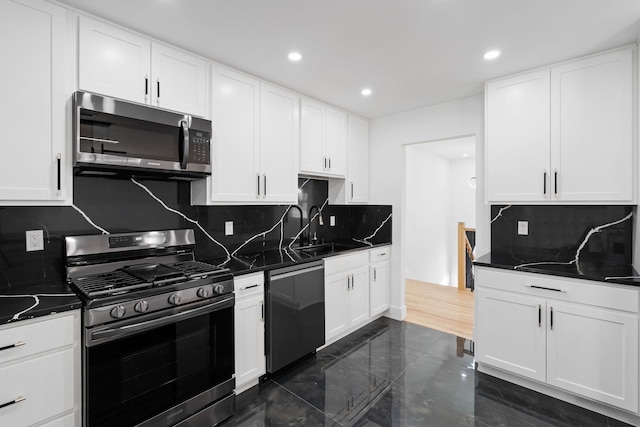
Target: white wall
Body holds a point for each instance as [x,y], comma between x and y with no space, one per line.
[388,137]
[438,196]
[428,213]
[462,208]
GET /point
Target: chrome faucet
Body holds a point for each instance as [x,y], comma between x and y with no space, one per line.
[314,240]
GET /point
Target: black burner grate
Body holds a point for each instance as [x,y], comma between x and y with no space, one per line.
[193,269]
[107,283]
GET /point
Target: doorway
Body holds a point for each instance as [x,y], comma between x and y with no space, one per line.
[440,194]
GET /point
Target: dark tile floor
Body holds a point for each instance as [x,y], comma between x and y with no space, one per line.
[392,373]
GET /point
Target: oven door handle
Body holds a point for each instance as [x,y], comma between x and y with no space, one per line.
[111,333]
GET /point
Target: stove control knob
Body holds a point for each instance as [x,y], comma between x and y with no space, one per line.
[174,299]
[141,306]
[204,293]
[118,312]
[218,289]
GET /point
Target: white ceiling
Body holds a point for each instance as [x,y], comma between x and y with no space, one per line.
[411,53]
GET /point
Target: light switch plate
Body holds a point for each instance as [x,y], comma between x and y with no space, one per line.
[228,228]
[332,221]
[523,228]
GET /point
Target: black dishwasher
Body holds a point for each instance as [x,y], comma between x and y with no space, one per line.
[295,313]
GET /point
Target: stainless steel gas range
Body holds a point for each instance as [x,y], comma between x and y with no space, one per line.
[158,345]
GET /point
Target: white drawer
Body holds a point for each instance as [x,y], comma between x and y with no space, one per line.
[38,336]
[249,284]
[66,421]
[379,254]
[340,263]
[47,383]
[598,294]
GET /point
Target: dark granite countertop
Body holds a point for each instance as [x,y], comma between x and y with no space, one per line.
[589,270]
[29,301]
[275,258]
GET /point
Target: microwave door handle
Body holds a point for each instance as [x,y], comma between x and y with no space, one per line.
[185,144]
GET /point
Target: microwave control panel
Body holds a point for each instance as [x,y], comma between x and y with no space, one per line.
[199,147]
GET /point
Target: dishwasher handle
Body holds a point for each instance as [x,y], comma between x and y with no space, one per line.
[285,272]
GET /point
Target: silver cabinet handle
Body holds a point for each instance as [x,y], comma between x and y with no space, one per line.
[264,187]
[546,289]
[258,177]
[58,163]
[146,87]
[382,254]
[351,190]
[539,315]
[555,182]
[158,91]
[249,287]
[17,344]
[329,163]
[13,402]
[544,182]
[262,310]
[325,163]
[551,318]
[374,275]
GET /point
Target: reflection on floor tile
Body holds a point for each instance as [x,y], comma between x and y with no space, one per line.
[392,373]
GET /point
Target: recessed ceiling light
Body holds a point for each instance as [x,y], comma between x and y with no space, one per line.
[295,56]
[366,92]
[492,54]
[465,155]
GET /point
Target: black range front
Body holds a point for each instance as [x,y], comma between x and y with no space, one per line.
[158,331]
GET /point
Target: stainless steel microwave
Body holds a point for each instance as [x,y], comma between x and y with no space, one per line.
[115,137]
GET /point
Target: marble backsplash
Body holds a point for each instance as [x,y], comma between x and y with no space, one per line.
[564,234]
[124,205]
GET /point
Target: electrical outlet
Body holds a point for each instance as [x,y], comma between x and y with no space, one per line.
[332,221]
[35,240]
[228,228]
[523,228]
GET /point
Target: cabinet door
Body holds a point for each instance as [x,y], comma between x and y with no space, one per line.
[336,304]
[312,119]
[235,122]
[249,339]
[336,142]
[511,333]
[359,296]
[379,288]
[179,80]
[357,186]
[591,106]
[593,352]
[279,143]
[113,62]
[32,105]
[518,138]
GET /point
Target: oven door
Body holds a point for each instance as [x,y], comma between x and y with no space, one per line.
[160,368]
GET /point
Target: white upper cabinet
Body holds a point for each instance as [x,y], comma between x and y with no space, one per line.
[591,128]
[358,170]
[323,139]
[279,144]
[33,155]
[121,64]
[518,138]
[254,145]
[562,134]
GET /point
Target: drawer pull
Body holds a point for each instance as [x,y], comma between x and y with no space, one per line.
[13,402]
[382,254]
[546,289]
[18,344]
[249,287]
[539,315]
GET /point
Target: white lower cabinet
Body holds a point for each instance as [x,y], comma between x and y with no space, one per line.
[379,280]
[346,293]
[40,371]
[577,336]
[250,361]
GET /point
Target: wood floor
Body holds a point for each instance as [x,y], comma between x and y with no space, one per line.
[444,308]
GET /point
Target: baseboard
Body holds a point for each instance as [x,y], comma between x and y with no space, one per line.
[397,313]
